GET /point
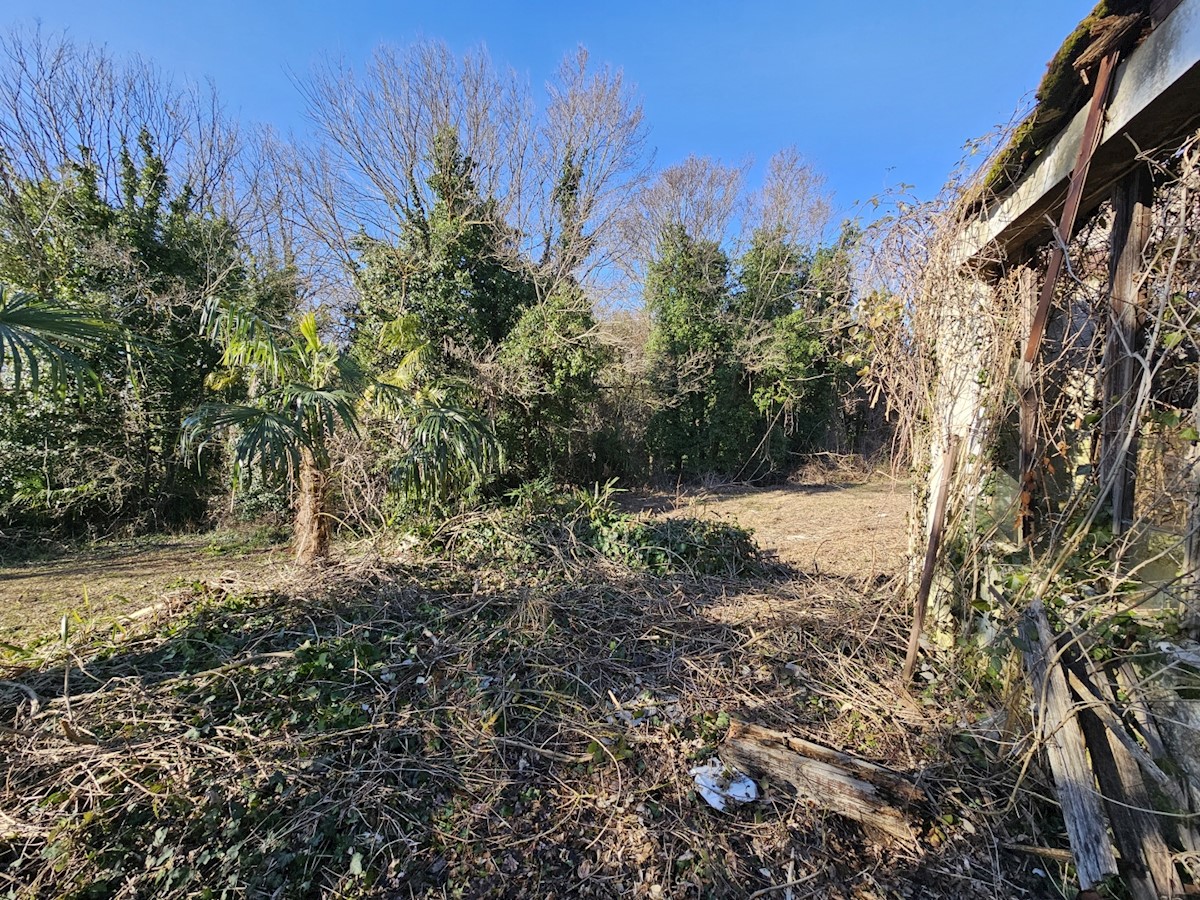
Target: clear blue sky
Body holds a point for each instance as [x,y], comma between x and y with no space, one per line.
[873,93]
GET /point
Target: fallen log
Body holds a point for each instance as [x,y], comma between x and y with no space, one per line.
[873,796]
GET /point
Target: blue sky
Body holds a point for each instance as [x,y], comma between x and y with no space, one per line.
[873,93]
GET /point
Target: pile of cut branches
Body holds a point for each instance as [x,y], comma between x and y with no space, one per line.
[442,731]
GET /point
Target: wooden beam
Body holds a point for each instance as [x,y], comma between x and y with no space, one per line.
[921,604]
[1059,731]
[1132,200]
[1153,105]
[1146,861]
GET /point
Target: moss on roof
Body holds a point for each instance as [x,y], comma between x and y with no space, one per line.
[1062,92]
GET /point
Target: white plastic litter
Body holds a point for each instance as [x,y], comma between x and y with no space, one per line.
[720,786]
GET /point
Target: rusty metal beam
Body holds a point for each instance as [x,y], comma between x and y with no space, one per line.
[1066,225]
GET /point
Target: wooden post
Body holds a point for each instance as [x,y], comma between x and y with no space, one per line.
[1058,728]
[1132,200]
[949,458]
[1027,398]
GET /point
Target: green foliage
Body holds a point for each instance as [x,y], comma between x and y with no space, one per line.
[456,282]
[707,421]
[39,335]
[544,522]
[141,265]
[453,269]
[551,362]
[305,391]
[749,363]
[449,455]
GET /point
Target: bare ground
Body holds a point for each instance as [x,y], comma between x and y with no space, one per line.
[395,727]
[847,530]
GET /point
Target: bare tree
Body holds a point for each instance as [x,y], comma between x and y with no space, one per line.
[65,106]
[591,162]
[793,202]
[61,101]
[701,196]
[376,131]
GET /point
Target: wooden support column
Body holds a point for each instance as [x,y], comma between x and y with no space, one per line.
[1027,398]
[1190,614]
[1092,132]
[1132,199]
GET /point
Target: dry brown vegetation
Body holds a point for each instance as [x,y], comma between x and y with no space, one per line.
[396,727]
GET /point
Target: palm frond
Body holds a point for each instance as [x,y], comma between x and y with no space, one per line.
[392,400]
[326,406]
[402,335]
[449,452]
[268,439]
[249,339]
[40,340]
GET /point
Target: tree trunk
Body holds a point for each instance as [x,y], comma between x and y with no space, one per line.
[310,532]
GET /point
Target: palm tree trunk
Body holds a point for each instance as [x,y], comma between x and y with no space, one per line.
[310,531]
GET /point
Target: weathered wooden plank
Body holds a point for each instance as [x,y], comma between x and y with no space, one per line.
[1139,710]
[921,604]
[1120,766]
[1146,860]
[1087,695]
[1109,34]
[856,788]
[1059,731]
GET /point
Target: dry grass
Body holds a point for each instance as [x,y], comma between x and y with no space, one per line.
[396,731]
[107,582]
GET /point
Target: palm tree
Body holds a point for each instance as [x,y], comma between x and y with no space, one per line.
[301,389]
[41,342]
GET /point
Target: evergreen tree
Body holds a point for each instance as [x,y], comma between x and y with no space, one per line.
[454,268]
[707,421]
[145,263]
